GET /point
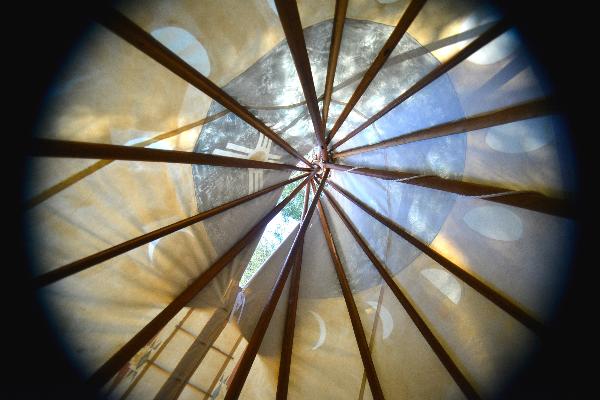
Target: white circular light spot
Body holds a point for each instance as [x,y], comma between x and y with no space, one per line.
[498,49]
[495,222]
[520,136]
[387,322]
[322,331]
[185,45]
[444,282]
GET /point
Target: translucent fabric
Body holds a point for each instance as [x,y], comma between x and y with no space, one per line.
[487,345]
[111,193]
[149,276]
[212,376]
[499,75]
[47,173]
[170,349]
[325,357]
[123,280]
[402,358]
[435,104]
[453,295]
[112,93]
[523,155]
[263,76]
[503,246]
[262,378]
[410,59]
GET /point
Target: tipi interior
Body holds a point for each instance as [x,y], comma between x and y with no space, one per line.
[414,149]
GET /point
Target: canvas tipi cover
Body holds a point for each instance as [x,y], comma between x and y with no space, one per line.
[416,144]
